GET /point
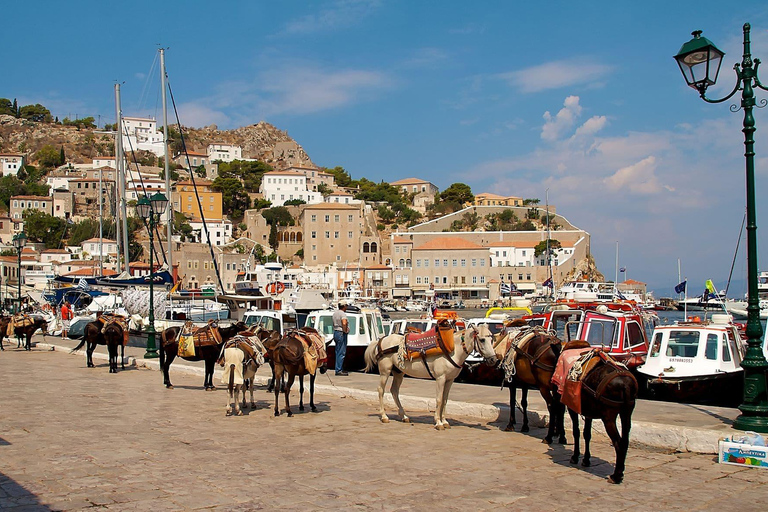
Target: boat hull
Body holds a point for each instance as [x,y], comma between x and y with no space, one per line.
[720,389]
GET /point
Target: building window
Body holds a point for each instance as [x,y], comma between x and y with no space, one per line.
[349,234]
[482,279]
[454,263]
[327,218]
[519,277]
[437,263]
[527,277]
[463,262]
[314,217]
[445,263]
[402,262]
[482,262]
[426,262]
[335,218]
[418,280]
[474,262]
[350,218]
[327,234]
[335,234]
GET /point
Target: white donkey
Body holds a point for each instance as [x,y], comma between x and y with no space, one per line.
[443,368]
[241,358]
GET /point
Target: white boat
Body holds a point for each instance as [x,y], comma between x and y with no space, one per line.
[739,309]
[697,361]
[365,327]
[586,291]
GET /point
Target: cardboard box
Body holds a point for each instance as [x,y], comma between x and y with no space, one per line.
[740,454]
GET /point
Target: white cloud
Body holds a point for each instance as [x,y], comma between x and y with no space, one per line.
[339,14]
[555,125]
[198,115]
[638,178]
[556,75]
[592,125]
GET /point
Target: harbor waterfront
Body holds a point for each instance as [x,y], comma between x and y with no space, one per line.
[171,451]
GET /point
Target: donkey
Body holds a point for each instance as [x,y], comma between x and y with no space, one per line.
[241,358]
[114,335]
[528,357]
[288,354]
[169,347]
[608,391]
[25,333]
[443,368]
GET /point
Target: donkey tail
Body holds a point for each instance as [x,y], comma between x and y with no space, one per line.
[231,385]
[370,357]
[82,342]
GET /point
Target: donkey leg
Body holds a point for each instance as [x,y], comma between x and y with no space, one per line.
[122,356]
[512,393]
[288,385]
[301,392]
[383,377]
[575,421]
[553,417]
[586,462]
[209,367]
[312,393]
[278,374]
[170,355]
[236,390]
[397,381]
[446,391]
[440,381]
[621,445]
[524,405]
[89,354]
[559,408]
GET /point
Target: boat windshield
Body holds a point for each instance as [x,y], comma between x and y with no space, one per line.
[421,326]
[683,343]
[600,331]
[656,345]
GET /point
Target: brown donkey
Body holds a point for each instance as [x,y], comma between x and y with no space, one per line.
[528,357]
[288,355]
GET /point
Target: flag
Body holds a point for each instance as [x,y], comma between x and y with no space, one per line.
[82,284]
[504,288]
[619,295]
[623,269]
[680,288]
[710,286]
[547,283]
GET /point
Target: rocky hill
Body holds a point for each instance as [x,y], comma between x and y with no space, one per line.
[81,145]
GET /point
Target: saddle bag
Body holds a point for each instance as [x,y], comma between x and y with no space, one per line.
[186,345]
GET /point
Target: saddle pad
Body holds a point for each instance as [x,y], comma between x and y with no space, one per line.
[233,356]
[570,390]
[206,336]
[108,320]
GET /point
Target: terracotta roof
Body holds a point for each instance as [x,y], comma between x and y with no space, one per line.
[488,195]
[11,154]
[524,244]
[401,240]
[44,198]
[285,173]
[632,281]
[408,181]
[447,243]
[332,206]
[105,240]
[378,267]
[199,183]
[91,272]
[55,251]
[104,158]
[191,153]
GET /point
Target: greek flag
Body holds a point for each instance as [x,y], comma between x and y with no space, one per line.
[82,284]
[620,295]
[623,269]
[505,289]
[547,283]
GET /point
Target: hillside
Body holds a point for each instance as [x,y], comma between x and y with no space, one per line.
[82,145]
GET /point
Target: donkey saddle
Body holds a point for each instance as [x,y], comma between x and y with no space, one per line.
[205,336]
[109,319]
[438,340]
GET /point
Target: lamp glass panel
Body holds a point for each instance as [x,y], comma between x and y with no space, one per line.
[716,59]
[144,208]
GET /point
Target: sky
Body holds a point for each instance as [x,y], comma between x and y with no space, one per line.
[580,101]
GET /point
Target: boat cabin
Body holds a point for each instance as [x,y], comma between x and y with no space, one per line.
[365,327]
[271,320]
[694,349]
[617,328]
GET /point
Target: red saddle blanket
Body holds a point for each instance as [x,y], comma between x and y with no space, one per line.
[569,390]
[435,341]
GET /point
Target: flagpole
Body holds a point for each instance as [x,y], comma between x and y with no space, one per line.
[685,300]
[616,278]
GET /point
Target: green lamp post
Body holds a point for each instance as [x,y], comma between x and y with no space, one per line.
[19,241]
[699,61]
[150,210]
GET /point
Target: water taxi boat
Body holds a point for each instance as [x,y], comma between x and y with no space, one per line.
[696,361]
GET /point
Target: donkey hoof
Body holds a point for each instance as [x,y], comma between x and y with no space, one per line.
[525,429]
[406,419]
[563,440]
[439,427]
[614,479]
[575,459]
[229,412]
[313,408]
[384,419]
[301,407]
[547,440]
[253,405]
[213,388]
[239,413]
[168,386]
[586,463]
[509,428]
[290,414]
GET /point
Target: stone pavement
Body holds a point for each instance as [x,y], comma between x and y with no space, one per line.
[665,425]
[73,437]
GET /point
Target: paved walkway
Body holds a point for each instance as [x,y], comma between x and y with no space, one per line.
[665,425]
[73,437]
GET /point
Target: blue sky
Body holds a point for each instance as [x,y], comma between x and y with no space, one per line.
[581,98]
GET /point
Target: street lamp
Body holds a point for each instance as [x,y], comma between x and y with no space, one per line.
[699,61]
[19,241]
[150,210]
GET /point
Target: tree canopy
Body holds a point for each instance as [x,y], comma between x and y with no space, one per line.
[250,173]
[278,216]
[49,157]
[235,200]
[41,227]
[541,247]
[6,107]
[36,112]
[457,193]
[13,186]
[340,175]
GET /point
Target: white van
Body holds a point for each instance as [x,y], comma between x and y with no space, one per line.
[365,327]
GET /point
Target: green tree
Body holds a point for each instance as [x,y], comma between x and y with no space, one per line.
[541,247]
[261,203]
[294,202]
[278,216]
[41,227]
[62,156]
[341,176]
[385,213]
[48,157]
[235,199]
[470,220]
[36,112]
[110,127]
[532,213]
[528,202]
[300,253]
[249,173]
[13,186]
[457,193]
[15,107]
[181,226]
[174,174]
[324,189]
[201,172]
[273,240]
[6,107]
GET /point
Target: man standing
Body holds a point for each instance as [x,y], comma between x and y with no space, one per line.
[340,333]
[66,316]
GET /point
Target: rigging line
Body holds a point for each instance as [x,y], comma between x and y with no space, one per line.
[144,89]
[194,185]
[144,188]
[733,263]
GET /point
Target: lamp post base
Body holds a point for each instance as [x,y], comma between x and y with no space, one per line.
[151,352]
[754,410]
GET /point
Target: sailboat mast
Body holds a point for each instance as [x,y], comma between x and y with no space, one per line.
[169,222]
[123,205]
[616,278]
[551,275]
[101,224]
[118,163]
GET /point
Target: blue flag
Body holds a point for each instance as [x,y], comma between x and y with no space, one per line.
[623,269]
[680,288]
[547,283]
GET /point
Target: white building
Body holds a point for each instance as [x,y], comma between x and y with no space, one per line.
[224,152]
[220,232]
[141,133]
[342,197]
[521,254]
[107,161]
[281,186]
[10,163]
[93,247]
[57,255]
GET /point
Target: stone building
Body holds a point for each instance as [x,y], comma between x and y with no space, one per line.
[20,204]
[332,233]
